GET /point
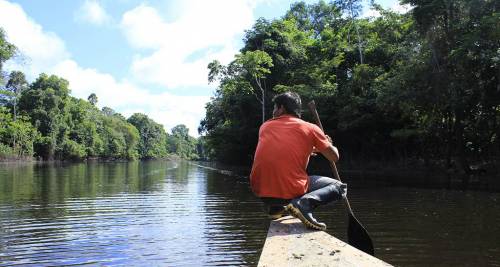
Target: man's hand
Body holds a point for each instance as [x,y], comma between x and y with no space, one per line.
[331,153]
[316,151]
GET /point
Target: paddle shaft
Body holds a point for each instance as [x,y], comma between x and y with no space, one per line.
[312,107]
[357,235]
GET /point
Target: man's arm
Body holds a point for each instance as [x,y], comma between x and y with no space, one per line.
[331,153]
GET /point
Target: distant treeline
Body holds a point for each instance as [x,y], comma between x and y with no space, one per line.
[419,87]
[42,120]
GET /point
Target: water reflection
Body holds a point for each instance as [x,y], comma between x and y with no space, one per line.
[137,213]
[239,227]
[178,214]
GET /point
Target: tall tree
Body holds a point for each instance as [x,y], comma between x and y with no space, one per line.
[181,143]
[16,137]
[459,38]
[254,65]
[353,8]
[46,102]
[7,51]
[92,99]
[16,85]
[153,138]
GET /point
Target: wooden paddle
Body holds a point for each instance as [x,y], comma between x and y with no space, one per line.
[357,235]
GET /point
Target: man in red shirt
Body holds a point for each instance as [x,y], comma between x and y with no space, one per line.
[279,175]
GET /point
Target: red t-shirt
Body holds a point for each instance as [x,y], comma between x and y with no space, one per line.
[282,155]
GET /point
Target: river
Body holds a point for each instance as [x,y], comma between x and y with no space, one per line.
[175,213]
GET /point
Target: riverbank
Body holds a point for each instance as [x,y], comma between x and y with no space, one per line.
[395,174]
[12,158]
[414,174]
[355,174]
[8,159]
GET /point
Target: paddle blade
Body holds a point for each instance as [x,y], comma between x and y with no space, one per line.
[358,237]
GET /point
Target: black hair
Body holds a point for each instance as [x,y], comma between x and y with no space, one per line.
[290,101]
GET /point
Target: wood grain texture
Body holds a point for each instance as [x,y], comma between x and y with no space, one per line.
[290,243]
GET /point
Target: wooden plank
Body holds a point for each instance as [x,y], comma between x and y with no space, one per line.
[290,243]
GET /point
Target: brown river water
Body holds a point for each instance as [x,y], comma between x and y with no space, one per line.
[168,213]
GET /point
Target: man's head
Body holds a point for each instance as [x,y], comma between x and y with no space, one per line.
[287,103]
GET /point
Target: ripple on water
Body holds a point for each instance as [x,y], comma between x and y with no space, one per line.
[160,213]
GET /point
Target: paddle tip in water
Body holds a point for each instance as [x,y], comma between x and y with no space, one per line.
[358,237]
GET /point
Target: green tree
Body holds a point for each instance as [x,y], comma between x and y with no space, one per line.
[459,47]
[83,121]
[230,124]
[92,99]
[7,51]
[181,144]
[16,85]
[256,64]
[108,111]
[353,8]
[253,64]
[16,137]
[153,138]
[46,101]
[120,138]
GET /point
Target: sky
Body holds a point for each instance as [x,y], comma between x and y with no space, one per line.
[147,56]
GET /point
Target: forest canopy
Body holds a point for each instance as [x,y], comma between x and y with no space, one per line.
[41,119]
[421,86]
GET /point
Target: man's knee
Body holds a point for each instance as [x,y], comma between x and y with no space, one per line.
[337,189]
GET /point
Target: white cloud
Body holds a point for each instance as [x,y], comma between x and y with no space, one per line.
[92,12]
[397,7]
[200,25]
[40,50]
[144,27]
[371,13]
[127,98]
[47,53]
[394,6]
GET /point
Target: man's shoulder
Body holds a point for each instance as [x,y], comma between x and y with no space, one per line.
[287,121]
[304,123]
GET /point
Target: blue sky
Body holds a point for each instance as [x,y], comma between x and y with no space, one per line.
[137,56]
